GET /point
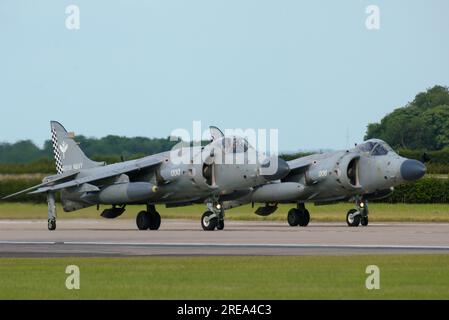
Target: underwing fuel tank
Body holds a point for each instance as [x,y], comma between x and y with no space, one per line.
[277,192]
[127,192]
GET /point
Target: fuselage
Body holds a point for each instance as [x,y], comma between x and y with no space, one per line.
[371,169]
[185,175]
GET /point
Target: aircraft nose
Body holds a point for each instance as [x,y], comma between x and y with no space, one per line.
[281,171]
[412,170]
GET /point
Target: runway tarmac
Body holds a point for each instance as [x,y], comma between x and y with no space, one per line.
[185,237]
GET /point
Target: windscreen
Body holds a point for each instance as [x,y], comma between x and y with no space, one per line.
[375,148]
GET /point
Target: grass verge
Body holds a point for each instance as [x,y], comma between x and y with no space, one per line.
[305,277]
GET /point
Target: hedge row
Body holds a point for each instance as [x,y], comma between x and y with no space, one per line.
[437,168]
[11,186]
[41,166]
[427,190]
[439,156]
[47,166]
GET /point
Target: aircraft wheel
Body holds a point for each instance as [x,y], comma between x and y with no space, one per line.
[143,220]
[208,224]
[220,225]
[304,217]
[51,224]
[155,220]
[351,219]
[293,217]
[364,221]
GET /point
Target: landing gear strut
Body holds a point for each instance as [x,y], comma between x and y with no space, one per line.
[298,216]
[359,215]
[51,211]
[149,219]
[213,217]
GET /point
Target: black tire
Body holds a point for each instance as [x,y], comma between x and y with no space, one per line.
[155,220]
[143,220]
[364,221]
[51,224]
[211,224]
[352,221]
[220,225]
[304,218]
[292,217]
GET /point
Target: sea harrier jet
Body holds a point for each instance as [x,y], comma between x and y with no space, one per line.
[368,171]
[182,176]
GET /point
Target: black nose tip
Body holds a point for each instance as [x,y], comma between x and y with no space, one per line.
[270,172]
[412,170]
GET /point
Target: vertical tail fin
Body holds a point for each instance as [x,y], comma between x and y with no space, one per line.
[68,155]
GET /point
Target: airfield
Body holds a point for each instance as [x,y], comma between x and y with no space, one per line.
[398,228]
[102,237]
[252,258]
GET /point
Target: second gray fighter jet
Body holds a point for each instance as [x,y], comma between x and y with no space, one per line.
[368,171]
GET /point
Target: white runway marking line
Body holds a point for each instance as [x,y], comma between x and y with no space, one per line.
[27,242]
[45,222]
[20,222]
[229,245]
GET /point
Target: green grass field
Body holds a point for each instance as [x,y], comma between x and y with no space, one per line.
[306,277]
[336,212]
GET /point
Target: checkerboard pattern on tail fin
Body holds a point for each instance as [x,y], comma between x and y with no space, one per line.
[56,151]
[68,155]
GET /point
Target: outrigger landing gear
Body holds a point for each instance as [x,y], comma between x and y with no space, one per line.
[51,211]
[149,219]
[298,216]
[359,215]
[214,217]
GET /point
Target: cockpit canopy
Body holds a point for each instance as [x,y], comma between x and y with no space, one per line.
[234,145]
[375,147]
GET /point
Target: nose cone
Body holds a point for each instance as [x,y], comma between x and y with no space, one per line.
[412,170]
[271,172]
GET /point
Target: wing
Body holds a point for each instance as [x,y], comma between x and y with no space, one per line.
[97,174]
[48,181]
[299,165]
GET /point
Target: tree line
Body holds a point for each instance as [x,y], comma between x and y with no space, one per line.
[422,124]
[421,127]
[110,147]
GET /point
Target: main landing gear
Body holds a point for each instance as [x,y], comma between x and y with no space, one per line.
[359,215]
[213,218]
[298,216]
[149,219]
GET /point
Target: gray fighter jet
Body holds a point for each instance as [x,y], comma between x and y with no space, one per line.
[368,171]
[158,179]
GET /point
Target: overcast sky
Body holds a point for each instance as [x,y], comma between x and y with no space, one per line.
[144,68]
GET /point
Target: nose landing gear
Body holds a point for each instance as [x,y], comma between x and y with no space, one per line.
[359,215]
[214,217]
